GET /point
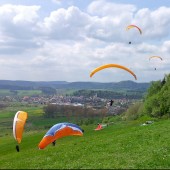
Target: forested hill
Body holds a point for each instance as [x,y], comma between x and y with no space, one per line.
[28,85]
[157,101]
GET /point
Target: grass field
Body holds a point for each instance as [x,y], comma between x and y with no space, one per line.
[20,93]
[120,145]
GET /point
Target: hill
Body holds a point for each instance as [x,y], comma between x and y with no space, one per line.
[120,146]
[30,85]
[157,101]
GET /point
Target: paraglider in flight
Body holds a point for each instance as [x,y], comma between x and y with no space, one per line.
[18,126]
[112,65]
[58,131]
[155,57]
[134,26]
[111,102]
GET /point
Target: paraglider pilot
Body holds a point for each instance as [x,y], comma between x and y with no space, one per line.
[54,142]
[111,102]
[17,148]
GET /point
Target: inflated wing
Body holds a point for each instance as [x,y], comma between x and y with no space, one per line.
[18,125]
[109,66]
[155,57]
[134,26]
[58,131]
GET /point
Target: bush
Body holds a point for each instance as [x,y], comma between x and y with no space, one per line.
[134,111]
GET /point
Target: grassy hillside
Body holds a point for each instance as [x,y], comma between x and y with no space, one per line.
[35,119]
[120,145]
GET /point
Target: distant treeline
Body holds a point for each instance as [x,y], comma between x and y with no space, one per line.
[110,94]
[76,112]
[31,85]
[14,87]
[128,89]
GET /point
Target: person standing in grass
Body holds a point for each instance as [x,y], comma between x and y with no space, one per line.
[54,142]
[17,148]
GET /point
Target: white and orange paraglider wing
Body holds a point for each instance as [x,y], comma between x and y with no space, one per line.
[18,125]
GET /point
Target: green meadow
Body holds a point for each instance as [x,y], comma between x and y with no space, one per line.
[21,93]
[121,145]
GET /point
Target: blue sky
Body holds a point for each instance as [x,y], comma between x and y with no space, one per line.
[48,40]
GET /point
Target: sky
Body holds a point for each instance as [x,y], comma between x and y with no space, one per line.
[65,40]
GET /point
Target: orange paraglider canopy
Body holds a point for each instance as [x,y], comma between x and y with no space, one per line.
[60,130]
[112,65]
[99,127]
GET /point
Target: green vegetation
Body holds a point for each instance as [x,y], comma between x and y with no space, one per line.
[120,145]
[4,92]
[48,90]
[156,102]
[126,143]
[76,114]
[20,93]
[108,94]
[28,92]
[134,111]
[66,92]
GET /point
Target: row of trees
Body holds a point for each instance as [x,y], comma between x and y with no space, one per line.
[129,94]
[77,112]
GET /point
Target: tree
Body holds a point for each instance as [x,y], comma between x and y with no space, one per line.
[48,90]
[157,101]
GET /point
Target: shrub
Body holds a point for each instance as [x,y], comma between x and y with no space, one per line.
[134,111]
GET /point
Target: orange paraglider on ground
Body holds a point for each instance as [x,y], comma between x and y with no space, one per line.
[60,130]
[99,127]
[18,126]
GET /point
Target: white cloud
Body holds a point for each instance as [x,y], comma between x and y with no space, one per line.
[16,20]
[69,43]
[155,24]
[103,8]
[166,47]
[65,24]
[57,1]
